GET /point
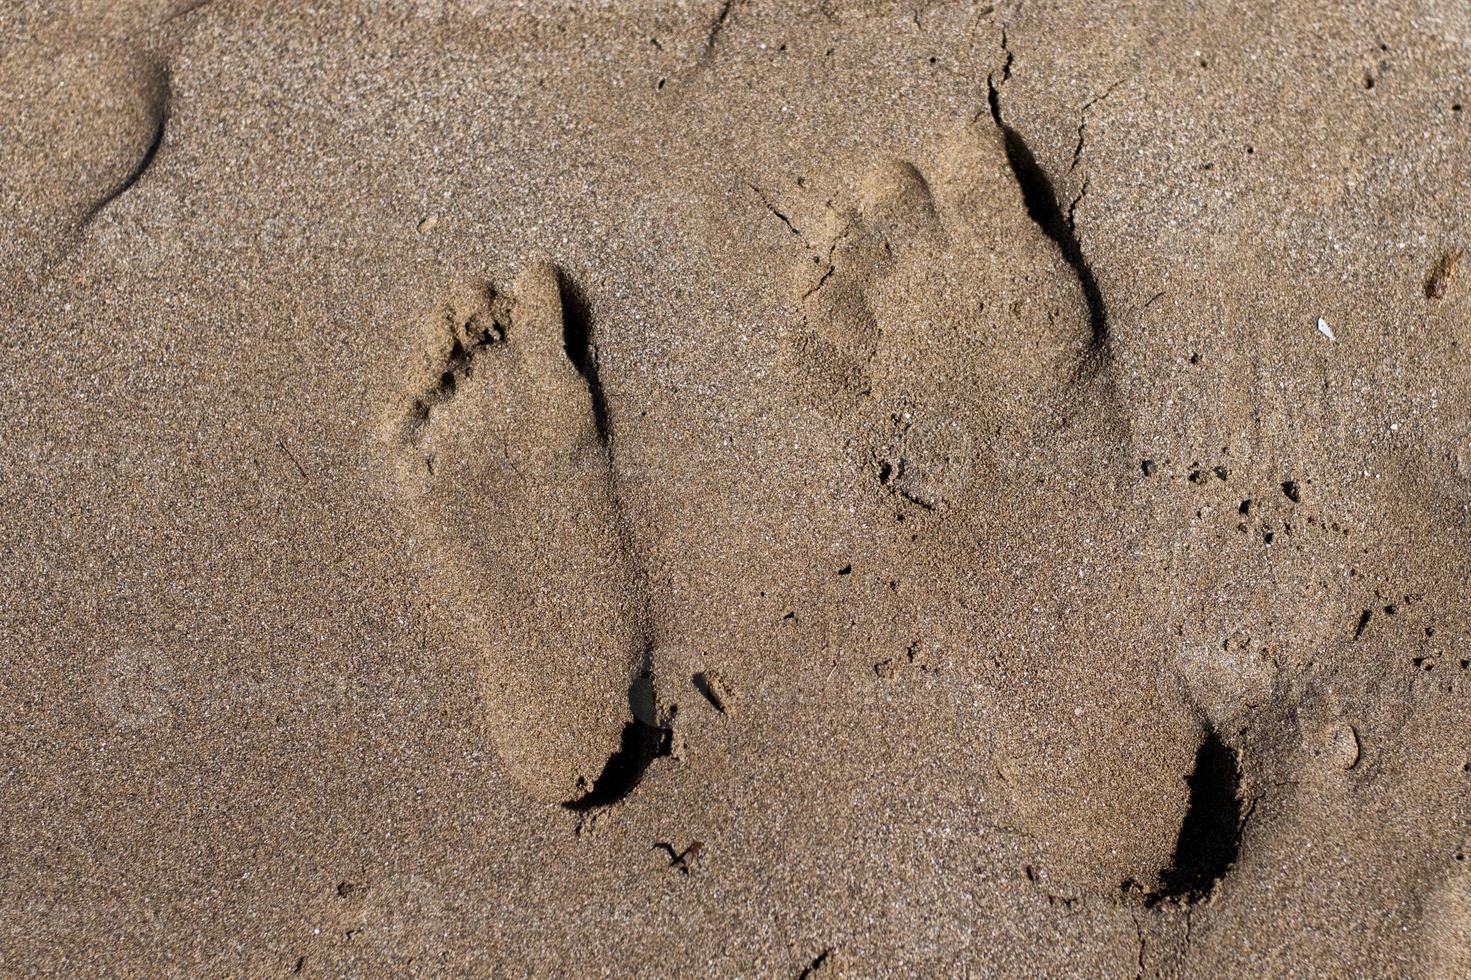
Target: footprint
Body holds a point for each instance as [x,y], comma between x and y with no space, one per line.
[501,460]
[941,316]
[953,334]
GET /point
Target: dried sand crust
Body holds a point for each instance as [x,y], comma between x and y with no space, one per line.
[736,488]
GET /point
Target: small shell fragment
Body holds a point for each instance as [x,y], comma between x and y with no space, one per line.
[1324,329]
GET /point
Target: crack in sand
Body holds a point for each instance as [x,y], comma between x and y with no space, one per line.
[830,265]
[1072,208]
[1083,123]
[766,201]
[717,27]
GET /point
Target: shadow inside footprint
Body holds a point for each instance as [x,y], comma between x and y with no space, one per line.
[159,109]
[1041,202]
[642,744]
[577,338]
[1210,834]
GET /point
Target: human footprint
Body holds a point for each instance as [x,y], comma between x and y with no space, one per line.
[956,345]
[502,460]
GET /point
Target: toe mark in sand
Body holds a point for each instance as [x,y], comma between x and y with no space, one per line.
[1363,622]
[1438,279]
[470,334]
[716,689]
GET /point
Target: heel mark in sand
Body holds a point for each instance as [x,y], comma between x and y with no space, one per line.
[642,744]
[644,739]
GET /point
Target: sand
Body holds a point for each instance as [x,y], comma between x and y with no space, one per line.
[735,488]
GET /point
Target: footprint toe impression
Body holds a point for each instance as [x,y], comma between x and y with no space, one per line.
[504,466]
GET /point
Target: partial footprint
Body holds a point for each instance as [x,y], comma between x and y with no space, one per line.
[942,316]
[959,348]
[501,457]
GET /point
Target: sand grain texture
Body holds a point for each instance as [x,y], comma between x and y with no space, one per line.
[755,488]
